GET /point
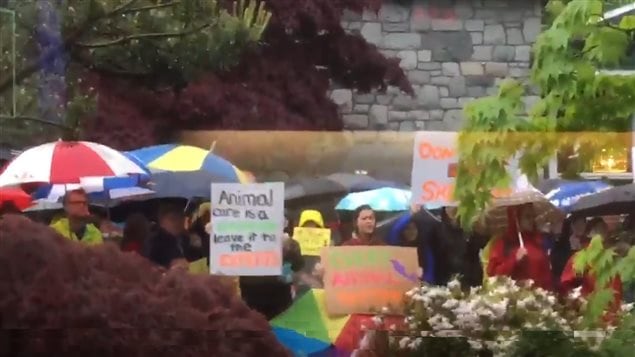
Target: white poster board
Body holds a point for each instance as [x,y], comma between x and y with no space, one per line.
[434,162]
[434,169]
[247,227]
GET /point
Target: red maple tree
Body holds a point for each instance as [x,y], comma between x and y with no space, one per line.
[280,85]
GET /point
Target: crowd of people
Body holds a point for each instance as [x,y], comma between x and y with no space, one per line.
[445,250]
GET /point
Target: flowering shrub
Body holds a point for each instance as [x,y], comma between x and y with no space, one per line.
[491,318]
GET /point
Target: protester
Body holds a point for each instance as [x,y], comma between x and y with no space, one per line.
[62,299]
[528,261]
[75,225]
[199,237]
[364,228]
[570,279]
[405,233]
[165,246]
[136,233]
[455,251]
[571,240]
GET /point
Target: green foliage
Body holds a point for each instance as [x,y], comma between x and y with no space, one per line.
[156,41]
[575,97]
[604,265]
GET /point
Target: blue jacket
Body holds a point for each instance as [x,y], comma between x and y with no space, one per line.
[426,258]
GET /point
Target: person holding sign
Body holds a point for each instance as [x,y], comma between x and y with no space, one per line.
[364,228]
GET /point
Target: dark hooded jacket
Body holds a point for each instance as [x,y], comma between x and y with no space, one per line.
[455,252]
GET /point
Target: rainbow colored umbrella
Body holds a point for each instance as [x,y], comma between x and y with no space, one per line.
[174,157]
[307,330]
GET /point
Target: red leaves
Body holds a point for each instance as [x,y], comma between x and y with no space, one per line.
[282,85]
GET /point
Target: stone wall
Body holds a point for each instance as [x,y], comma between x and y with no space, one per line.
[452,51]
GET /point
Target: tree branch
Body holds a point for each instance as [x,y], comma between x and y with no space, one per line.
[142,36]
[149,7]
[4,118]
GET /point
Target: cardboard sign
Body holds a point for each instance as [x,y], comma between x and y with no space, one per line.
[312,240]
[366,279]
[247,224]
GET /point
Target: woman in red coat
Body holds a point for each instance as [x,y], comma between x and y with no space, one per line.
[529,261]
[364,231]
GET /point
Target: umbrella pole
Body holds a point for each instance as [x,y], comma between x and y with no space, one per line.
[520,237]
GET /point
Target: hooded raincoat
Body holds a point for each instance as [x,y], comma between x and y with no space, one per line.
[502,257]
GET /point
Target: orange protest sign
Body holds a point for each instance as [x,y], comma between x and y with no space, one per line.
[366,279]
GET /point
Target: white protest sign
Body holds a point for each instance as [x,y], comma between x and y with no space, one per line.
[247,226]
[434,169]
[434,161]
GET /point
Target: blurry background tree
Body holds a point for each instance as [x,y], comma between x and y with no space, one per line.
[45,81]
[157,67]
[575,96]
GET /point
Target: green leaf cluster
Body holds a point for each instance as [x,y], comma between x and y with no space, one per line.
[575,96]
[604,265]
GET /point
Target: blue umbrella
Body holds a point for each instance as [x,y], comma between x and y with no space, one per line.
[568,193]
[383,199]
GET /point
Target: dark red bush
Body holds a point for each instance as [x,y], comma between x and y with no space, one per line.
[59,298]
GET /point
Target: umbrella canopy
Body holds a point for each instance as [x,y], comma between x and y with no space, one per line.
[496,219]
[567,194]
[99,189]
[179,158]
[307,187]
[64,162]
[617,200]
[383,199]
[18,197]
[306,321]
[183,184]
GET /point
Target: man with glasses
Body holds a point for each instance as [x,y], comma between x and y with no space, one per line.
[75,226]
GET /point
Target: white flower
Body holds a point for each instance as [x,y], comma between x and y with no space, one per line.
[627,307]
[450,304]
[393,327]
[377,320]
[404,342]
[551,299]
[475,344]
[415,344]
[385,310]
[454,284]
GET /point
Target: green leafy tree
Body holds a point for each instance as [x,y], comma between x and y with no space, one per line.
[157,42]
[574,97]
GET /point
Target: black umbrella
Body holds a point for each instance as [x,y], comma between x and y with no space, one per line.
[319,186]
[616,200]
[333,184]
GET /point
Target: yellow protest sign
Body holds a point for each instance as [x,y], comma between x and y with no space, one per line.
[312,240]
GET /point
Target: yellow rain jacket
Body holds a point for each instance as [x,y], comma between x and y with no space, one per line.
[311,215]
[92,235]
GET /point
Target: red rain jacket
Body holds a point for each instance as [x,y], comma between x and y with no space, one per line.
[569,280]
[534,266]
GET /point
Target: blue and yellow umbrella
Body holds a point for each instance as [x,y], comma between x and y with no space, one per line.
[179,158]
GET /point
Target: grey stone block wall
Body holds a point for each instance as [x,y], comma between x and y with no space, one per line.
[452,51]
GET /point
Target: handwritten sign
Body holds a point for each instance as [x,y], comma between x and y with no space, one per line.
[247,222]
[312,240]
[434,169]
[366,279]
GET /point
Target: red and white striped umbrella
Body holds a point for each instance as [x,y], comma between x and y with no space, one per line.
[66,162]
